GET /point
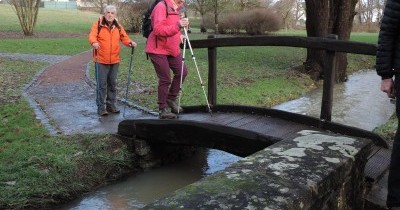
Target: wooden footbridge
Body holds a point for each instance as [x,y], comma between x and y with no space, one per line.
[238,130]
[243,130]
[267,124]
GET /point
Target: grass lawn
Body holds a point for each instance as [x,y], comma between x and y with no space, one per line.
[39,170]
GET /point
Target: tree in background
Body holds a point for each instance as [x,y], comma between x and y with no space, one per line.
[285,9]
[341,23]
[323,18]
[201,6]
[130,15]
[246,4]
[317,26]
[370,12]
[27,12]
[101,3]
[218,6]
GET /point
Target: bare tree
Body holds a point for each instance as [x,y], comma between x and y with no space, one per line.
[101,3]
[370,11]
[367,9]
[201,6]
[219,6]
[380,6]
[247,4]
[299,10]
[286,9]
[27,12]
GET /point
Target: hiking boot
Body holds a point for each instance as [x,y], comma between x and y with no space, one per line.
[174,106]
[166,114]
[113,109]
[102,112]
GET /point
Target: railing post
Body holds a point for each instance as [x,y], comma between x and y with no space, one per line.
[212,74]
[329,76]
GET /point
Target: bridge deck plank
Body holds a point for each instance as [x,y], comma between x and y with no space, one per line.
[265,125]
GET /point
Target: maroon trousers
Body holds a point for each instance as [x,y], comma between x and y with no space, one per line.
[167,89]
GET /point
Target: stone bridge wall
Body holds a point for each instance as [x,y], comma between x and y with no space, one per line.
[312,171]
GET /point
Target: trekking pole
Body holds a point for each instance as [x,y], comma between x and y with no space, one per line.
[129,80]
[197,69]
[183,63]
[96,67]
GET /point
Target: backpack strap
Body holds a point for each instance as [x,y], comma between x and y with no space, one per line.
[98,27]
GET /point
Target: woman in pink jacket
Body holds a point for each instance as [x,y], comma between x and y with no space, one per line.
[163,49]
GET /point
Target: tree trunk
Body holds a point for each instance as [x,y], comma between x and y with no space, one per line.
[317,12]
[342,16]
[27,12]
[328,17]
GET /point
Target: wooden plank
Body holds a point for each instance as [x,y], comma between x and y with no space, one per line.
[245,120]
[377,164]
[226,118]
[197,116]
[274,127]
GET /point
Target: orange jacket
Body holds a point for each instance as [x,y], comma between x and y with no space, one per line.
[109,39]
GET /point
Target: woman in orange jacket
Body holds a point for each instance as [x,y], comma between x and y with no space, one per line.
[105,37]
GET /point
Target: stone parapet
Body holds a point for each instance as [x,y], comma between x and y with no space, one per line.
[314,170]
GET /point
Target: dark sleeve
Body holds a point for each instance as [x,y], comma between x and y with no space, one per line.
[387,39]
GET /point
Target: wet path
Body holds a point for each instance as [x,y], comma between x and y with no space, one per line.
[64,95]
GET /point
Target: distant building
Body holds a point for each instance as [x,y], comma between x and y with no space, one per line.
[66,4]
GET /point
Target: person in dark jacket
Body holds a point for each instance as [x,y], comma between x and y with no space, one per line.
[162,46]
[388,67]
[105,37]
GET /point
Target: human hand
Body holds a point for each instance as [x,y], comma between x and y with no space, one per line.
[133,44]
[183,22]
[387,86]
[96,45]
[183,37]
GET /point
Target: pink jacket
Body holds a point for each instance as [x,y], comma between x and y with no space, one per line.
[165,37]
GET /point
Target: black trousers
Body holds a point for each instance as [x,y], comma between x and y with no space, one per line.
[393,198]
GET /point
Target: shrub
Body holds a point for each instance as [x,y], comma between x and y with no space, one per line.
[259,21]
[253,22]
[231,23]
[130,15]
[372,28]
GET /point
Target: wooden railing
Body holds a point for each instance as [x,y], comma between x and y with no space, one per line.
[330,44]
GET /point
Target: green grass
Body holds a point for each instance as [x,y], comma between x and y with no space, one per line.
[65,46]
[39,170]
[388,130]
